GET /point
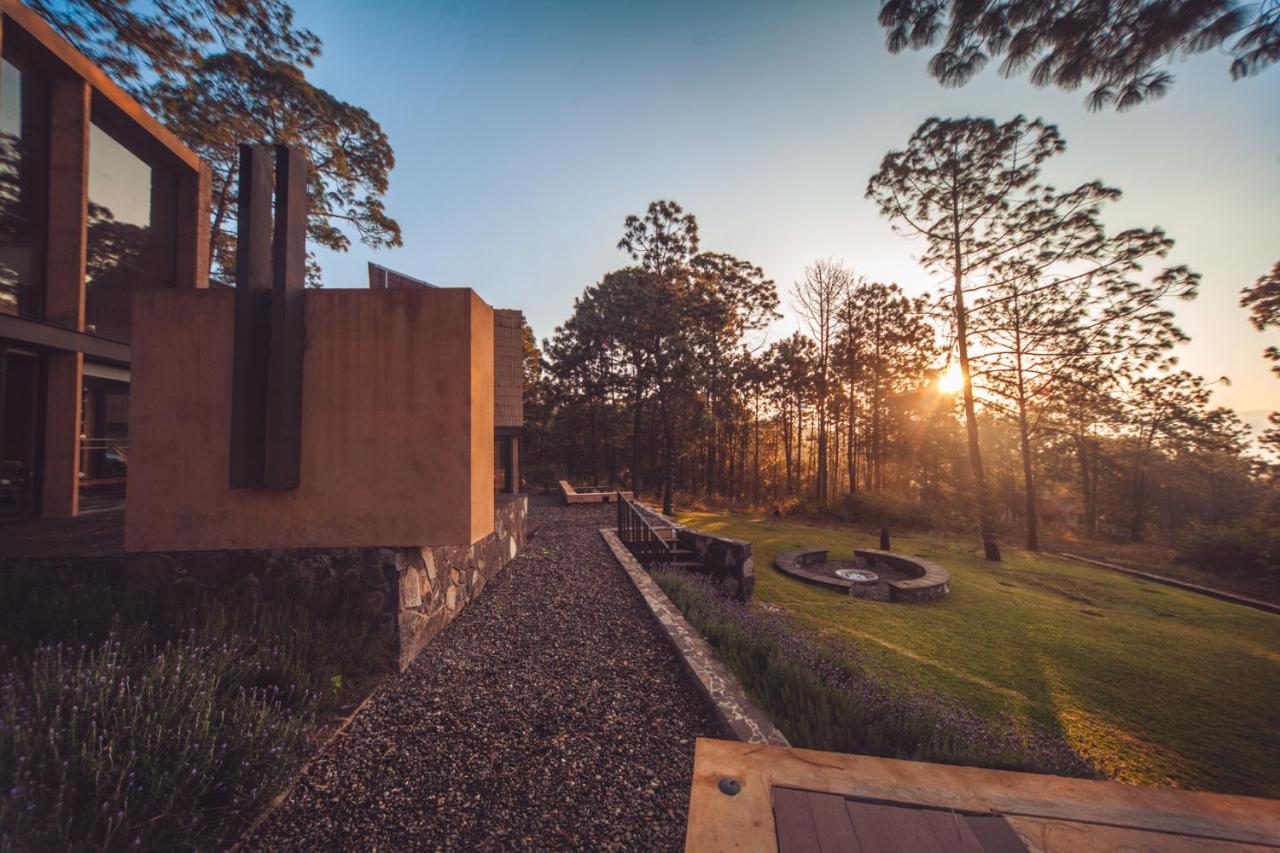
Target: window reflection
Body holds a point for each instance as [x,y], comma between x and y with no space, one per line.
[130,233]
[23,132]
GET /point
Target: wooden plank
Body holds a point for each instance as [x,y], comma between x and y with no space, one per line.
[995,835]
[831,818]
[252,319]
[1061,836]
[891,829]
[283,431]
[952,831]
[1217,817]
[793,821]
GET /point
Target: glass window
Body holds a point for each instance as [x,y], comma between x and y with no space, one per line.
[19,428]
[23,134]
[502,463]
[104,439]
[130,233]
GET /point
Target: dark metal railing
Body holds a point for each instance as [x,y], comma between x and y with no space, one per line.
[640,535]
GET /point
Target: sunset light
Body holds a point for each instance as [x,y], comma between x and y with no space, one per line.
[570,425]
[952,380]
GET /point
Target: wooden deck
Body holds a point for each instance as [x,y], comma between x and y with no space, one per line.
[794,800]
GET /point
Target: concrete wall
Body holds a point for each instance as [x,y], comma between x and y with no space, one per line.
[397,425]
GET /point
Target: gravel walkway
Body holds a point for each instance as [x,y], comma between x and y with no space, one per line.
[550,714]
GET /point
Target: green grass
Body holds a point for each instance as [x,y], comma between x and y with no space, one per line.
[1155,685]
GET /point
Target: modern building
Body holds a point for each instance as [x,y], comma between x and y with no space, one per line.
[98,202]
[508,382]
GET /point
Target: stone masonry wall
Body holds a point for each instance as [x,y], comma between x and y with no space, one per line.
[408,595]
[727,561]
[434,584]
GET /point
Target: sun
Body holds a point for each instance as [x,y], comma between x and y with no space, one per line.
[952,380]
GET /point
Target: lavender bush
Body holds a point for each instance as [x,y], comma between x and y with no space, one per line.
[106,746]
[162,718]
[818,694]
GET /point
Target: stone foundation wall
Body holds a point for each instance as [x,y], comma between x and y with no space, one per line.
[407,594]
[434,584]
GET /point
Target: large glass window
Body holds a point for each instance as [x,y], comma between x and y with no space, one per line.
[23,137]
[104,435]
[130,233]
[19,393]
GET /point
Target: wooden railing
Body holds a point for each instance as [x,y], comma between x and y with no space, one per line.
[641,536]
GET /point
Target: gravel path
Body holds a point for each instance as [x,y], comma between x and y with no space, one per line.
[550,714]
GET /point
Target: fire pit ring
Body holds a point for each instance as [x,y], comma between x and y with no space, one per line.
[858,575]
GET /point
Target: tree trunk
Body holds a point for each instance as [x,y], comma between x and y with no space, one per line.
[755,466]
[1024,437]
[669,472]
[636,419]
[986,510]
[850,449]
[1029,484]
[1138,520]
[1087,495]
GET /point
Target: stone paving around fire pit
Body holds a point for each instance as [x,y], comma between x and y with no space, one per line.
[551,714]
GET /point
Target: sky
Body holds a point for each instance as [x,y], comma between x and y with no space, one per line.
[525,132]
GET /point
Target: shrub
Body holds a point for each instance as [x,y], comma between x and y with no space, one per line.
[1251,550]
[162,718]
[106,746]
[818,694]
[882,509]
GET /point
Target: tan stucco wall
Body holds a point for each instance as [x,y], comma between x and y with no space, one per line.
[397,425]
[481,487]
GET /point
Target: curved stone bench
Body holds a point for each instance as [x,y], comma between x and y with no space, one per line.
[927,580]
[794,563]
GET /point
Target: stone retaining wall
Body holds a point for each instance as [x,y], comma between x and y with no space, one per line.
[714,682]
[407,594]
[727,561]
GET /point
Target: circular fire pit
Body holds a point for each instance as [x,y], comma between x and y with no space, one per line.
[864,584]
[872,575]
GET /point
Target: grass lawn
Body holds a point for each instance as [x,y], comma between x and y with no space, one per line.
[1156,685]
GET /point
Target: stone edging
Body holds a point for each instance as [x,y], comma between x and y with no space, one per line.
[714,682]
[1243,600]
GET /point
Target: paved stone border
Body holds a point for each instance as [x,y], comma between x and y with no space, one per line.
[714,682]
[1244,600]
